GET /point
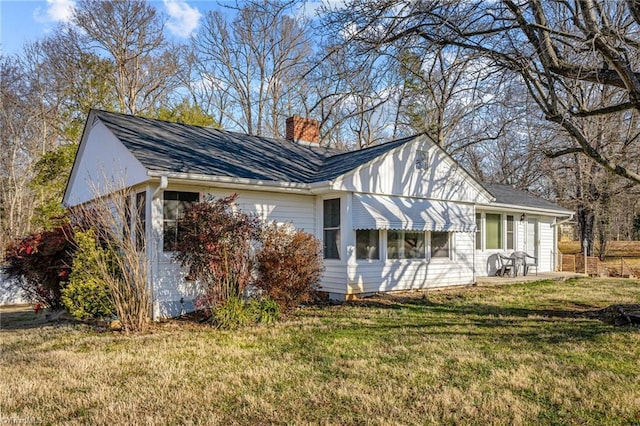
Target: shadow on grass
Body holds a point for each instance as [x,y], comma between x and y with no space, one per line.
[576,322]
[22,317]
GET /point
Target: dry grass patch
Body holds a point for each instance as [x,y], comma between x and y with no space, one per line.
[516,354]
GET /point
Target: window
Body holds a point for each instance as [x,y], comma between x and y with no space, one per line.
[331,225]
[422,160]
[493,231]
[141,213]
[367,242]
[405,245]
[478,231]
[173,207]
[440,244]
[510,233]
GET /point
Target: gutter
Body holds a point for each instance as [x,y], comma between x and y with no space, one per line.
[525,209]
[242,183]
[558,223]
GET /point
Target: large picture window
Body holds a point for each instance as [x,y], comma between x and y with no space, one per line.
[493,231]
[405,245]
[440,245]
[331,225]
[367,242]
[173,207]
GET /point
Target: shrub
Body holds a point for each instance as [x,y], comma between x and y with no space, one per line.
[216,248]
[235,312]
[120,259]
[289,265]
[232,313]
[86,295]
[40,264]
[265,310]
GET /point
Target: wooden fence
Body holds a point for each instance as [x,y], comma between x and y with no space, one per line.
[575,263]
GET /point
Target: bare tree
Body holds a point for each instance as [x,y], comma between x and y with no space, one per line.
[556,48]
[130,32]
[253,64]
[17,147]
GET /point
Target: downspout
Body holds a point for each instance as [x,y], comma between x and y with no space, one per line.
[475,244]
[164,183]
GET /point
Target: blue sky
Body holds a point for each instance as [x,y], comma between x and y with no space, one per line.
[22,21]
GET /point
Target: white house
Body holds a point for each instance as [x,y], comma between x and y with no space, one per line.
[400,215]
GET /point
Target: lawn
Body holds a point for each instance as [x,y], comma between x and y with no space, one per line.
[535,353]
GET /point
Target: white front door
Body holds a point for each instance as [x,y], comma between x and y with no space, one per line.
[532,237]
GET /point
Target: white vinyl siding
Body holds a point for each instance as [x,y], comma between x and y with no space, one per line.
[368,277]
[169,285]
[394,174]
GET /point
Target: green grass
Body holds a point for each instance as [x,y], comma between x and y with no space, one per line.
[531,353]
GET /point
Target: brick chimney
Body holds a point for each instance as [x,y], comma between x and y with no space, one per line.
[300,129]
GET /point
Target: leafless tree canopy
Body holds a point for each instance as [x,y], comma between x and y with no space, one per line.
[251,68]
[562,50]
[131,33]
[542,95]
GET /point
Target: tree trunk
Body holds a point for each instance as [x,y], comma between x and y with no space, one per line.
[586,221]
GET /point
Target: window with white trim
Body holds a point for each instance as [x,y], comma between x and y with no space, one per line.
[511,235]
[441,245]
[367,244]
[331,228]
[174,204]
[406,245]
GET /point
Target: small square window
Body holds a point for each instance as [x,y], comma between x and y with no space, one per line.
[440,244]
[405,245]
[367,242]
[422,160]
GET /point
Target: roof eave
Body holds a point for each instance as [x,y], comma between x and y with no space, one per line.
[526,209]
[241,183]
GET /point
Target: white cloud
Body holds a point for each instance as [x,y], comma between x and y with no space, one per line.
[312,8]
[56,11]
[183,19]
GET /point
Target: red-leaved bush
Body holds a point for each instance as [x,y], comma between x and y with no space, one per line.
[289,265]
[215,246]
[40,264]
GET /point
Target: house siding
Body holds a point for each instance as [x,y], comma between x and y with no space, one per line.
[546,251]
[391,275]
[395,173]
[103,165]
[169,284]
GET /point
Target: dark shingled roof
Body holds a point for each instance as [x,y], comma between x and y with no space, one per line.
[174,147]
[504,194]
